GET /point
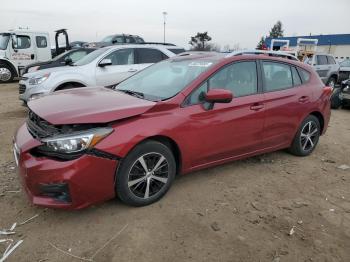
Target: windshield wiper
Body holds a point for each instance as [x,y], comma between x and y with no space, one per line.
[132,93]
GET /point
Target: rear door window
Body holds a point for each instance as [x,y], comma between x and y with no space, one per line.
[322,60]
[331,60]
[277,76]
[122,57]
[149,55]
[296,77]
[305,75]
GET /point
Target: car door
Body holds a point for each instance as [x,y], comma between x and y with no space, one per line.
[286,100]
[24,50]
[322,67]
[148,56]
[123,65]
[228,130]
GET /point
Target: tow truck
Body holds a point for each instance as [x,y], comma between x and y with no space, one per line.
[21,47]
[304,49]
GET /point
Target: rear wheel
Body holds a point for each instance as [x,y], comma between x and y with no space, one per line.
[6,73]
[307,137]
[145,174]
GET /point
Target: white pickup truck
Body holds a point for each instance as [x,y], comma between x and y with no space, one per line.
[19,48]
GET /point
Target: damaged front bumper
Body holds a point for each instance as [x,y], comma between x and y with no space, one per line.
[68,184]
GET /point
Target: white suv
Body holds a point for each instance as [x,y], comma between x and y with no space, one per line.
[103,67]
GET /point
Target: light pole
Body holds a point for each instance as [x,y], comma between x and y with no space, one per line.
[164,16]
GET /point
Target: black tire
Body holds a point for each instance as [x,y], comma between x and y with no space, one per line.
[6,73]
[331,82]
[132,189]
[335,99]
[301,145]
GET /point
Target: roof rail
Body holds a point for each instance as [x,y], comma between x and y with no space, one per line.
[157,43]
[264,52]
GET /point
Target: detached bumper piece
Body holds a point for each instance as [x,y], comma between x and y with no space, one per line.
[59,192]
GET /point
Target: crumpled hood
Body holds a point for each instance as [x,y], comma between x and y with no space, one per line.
[88,105]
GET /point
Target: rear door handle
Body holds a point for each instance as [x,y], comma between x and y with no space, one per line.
[257,106]
[303,99]
[132,70]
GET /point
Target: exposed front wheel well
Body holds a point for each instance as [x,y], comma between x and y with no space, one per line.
[69,85]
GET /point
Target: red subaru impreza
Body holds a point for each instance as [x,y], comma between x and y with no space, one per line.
[82,146]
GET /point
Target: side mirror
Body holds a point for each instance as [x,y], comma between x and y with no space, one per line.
[218,96]
[14,42]
[105,62]
[68,61]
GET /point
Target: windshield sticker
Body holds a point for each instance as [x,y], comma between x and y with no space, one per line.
[201,64]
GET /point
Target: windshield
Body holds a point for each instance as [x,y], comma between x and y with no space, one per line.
[345,63]
[90,57]
[61,55]
[4,39]
[165,79]
[108,39]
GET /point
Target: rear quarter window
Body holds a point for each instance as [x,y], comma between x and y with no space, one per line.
[305,75]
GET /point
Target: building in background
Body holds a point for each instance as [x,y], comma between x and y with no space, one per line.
[338,45]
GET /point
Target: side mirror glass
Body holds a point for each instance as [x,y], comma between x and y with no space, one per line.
[218,96]
[105,62]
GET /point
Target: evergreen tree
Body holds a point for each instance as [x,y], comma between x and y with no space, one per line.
[276,30]
[200,42]
[261,43]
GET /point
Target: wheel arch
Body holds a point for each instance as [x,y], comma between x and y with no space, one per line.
[12,66]
[320,118]
[170,143]
[74,83]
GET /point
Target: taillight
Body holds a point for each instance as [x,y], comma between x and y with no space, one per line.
[328,90]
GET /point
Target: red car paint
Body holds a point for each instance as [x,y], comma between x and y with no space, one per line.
[246,126]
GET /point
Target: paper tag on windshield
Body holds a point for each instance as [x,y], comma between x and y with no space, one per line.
[201,64]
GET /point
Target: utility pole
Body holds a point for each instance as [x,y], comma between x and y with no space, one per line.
[164,16]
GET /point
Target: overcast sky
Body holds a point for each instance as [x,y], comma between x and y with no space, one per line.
[231,22]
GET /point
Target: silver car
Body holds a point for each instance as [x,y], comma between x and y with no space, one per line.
[103,67]
[326,67]
[344,71]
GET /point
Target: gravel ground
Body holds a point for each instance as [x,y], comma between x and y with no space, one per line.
[242,211]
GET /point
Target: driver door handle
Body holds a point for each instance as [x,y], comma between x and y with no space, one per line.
[132,70]
[303,99]
[257,106]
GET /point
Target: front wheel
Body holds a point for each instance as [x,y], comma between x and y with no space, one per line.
[146,174]
[6,73]
[307,137]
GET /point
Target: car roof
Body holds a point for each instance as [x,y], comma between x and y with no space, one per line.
[116,47]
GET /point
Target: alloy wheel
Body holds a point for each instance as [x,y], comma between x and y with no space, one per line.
[148,175]
[308,136]
[5,74]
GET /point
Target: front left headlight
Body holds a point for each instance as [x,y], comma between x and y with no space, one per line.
[73,144]
[37,80]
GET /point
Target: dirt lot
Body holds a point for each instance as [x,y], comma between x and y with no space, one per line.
[243,211]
